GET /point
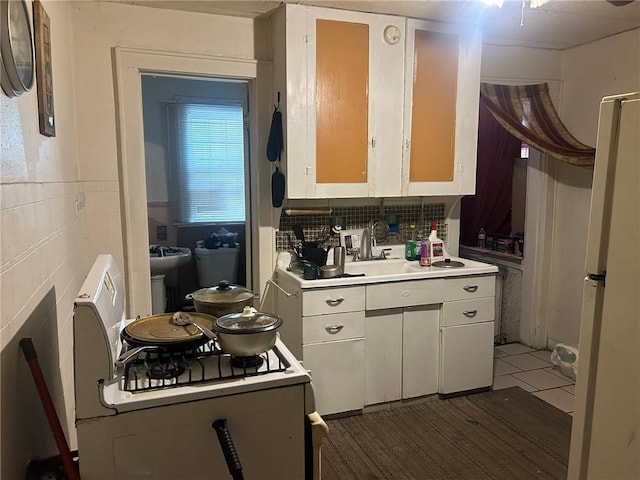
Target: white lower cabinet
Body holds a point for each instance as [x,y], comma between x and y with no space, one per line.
[401,357]
[383,356]
[337,374]
[377,343]
[420,352]
[466,357]
[333,347]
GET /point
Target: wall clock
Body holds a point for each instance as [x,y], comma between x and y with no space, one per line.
[16,48]
[391,34]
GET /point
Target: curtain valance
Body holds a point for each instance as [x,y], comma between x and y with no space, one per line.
[526,111]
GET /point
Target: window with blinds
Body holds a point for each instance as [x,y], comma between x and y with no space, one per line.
[207,158]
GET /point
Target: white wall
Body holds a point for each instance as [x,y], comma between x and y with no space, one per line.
[43,260]
[606,67]
[578,78]
[97,28]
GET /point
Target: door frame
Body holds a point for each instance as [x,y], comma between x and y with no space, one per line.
[130,64]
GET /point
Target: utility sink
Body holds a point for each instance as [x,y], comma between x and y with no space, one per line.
[165,259]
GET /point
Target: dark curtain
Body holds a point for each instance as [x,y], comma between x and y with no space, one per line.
[490,207]
[527,112]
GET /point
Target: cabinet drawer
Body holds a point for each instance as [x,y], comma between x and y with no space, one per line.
[404,294]
[469,287]
[328,328]
[468,311]
[332,300]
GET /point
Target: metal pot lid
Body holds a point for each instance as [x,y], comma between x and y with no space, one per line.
[160,329]
[249,321]
[448,263]
[223,293]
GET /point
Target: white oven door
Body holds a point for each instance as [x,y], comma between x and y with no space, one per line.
[178,441]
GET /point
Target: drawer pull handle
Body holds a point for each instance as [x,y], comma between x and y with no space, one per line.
[333,329]
[406,293]
[470,288]
[470,313]
[334,302]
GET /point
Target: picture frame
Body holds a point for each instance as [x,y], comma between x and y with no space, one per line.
[44,73]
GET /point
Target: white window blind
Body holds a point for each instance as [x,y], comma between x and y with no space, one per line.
[208,172]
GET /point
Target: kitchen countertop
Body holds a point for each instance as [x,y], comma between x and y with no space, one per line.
[397,269]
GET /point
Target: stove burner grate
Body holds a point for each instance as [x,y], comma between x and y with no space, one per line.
[157,370]
[164,369]
[247,362]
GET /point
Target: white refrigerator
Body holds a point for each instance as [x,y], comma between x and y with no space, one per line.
[605,437]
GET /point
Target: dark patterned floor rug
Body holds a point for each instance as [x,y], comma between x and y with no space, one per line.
[500,435]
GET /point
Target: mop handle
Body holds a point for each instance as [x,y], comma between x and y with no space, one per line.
[29,352]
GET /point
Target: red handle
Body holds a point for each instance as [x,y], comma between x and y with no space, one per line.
[29,352]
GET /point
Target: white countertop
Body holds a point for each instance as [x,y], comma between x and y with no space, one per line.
[393,269]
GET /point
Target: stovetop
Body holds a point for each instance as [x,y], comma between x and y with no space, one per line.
[151,370]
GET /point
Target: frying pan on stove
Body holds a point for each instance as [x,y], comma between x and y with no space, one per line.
[158,333]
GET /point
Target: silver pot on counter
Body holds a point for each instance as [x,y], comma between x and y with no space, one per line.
[222,299]
[248,333]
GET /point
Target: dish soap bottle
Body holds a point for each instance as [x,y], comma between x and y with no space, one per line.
[436,245]
[410,248]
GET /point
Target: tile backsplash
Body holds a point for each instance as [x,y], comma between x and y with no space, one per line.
[357,217]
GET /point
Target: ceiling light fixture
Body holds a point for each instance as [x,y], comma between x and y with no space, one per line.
[532,3]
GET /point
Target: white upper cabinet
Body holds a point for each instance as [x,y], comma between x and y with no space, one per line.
[345,82]
[348,107]
[442,91]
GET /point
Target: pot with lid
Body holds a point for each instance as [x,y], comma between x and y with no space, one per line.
[222,299]
[248,333]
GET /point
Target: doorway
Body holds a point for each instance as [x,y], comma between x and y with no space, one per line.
[196,169]
[130,65]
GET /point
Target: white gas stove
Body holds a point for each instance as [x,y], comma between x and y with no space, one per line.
[152,417]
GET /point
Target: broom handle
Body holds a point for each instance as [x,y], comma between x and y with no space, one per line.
[29,352]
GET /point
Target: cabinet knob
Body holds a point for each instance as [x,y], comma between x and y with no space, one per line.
[334,301]
[470,288]
[333,329]
[470,313]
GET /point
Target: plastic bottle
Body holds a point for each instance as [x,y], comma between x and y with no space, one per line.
[425,254]
[481,238]
[410,249]
[436,245]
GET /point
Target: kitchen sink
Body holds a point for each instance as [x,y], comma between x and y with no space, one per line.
[375,268]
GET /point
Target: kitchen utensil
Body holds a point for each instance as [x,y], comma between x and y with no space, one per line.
[339,254]
[277,188]
[315,255]
[29,352]
[299,233]
[248,333]
[447,263]
[159,333]
[183,319]
[275,142]
[330,271]
[221,299]
[297,266]
[310,272]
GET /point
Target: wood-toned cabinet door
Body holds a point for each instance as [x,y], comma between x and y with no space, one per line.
[342,101]
[442,79]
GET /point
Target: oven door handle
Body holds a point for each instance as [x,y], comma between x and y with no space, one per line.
[228,449]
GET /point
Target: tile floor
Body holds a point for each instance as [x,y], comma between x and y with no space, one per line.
[515,364]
